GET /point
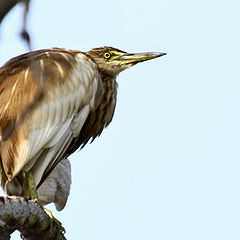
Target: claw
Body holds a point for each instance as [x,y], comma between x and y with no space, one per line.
[59,224]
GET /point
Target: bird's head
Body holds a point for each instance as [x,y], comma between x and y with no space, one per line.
[112,61]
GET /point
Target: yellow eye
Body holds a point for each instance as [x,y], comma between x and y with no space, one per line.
[107,55]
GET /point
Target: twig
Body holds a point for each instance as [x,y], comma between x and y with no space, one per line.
[24,33]
[5,7]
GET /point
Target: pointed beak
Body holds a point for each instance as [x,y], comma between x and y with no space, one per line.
[134,58]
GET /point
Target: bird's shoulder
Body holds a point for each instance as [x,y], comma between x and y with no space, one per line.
[50,73]
[52,58]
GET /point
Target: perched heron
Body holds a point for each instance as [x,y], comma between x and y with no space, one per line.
[52,102]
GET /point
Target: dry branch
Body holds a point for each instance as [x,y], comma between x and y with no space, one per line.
[5,7]
[29,217]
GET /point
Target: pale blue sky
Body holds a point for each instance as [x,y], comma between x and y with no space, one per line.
[167,168]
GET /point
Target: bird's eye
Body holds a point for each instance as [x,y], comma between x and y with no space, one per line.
[107,55]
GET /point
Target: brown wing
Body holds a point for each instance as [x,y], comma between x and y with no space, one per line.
[45,98]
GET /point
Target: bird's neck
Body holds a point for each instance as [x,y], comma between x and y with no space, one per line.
[105,110]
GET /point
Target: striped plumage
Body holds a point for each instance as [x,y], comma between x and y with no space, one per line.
[52,102]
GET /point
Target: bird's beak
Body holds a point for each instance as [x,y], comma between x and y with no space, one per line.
[134,58]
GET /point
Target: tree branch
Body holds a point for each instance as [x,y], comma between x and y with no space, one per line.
[24,34]
[29,217]
[5,7]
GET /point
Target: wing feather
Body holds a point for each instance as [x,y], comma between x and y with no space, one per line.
[71,88]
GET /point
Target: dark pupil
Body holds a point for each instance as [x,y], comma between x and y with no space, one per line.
[107,55]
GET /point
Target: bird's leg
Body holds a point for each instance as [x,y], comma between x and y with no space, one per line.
[34,196]
[31,185]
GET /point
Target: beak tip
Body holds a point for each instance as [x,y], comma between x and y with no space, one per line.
[161,54]
[157,54]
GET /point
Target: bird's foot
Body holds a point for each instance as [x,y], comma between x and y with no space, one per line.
[59,224]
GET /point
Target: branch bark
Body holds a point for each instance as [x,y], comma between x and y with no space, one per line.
[29,217]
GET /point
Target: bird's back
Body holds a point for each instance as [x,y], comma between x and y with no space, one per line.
[45,98]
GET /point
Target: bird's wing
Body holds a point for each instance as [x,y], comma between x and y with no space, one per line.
[45,98]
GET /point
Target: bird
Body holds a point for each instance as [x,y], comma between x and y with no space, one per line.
[53,102]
